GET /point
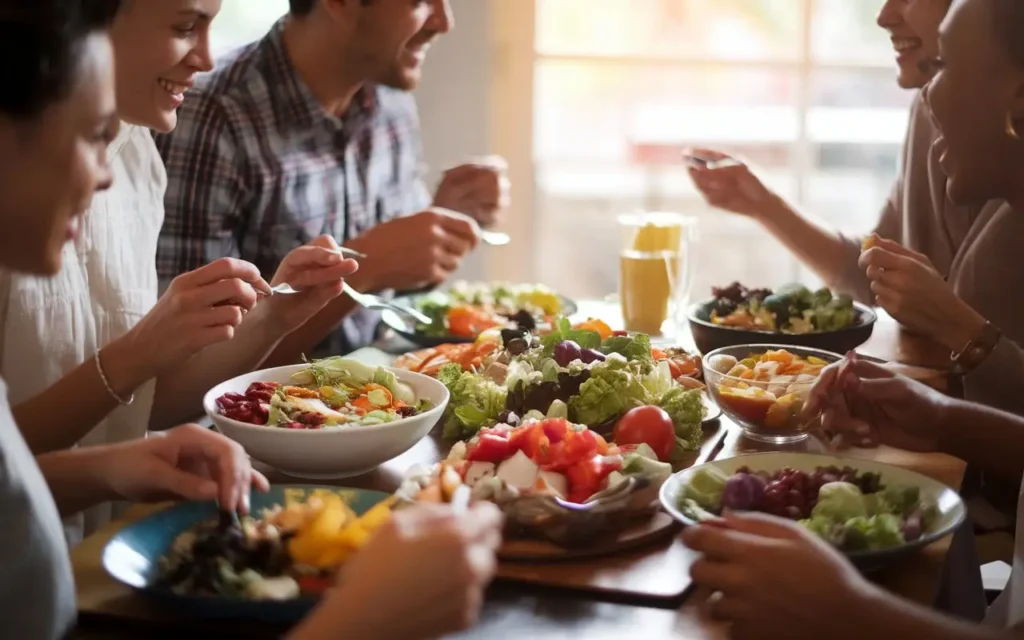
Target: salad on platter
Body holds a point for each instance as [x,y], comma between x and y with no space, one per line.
[468,309]
[549,457]
[793,309]
[279,554]
[616,383]
[330,393]
[851,510]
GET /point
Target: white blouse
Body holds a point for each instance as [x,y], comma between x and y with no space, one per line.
[50,326]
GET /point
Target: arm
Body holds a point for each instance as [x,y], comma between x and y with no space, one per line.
[883,615]
[83,389]
[179,392]
[75,478]
[990,438]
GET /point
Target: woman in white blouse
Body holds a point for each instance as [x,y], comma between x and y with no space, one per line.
[95,337]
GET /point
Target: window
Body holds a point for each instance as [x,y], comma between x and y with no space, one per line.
[243,21]
[804,89]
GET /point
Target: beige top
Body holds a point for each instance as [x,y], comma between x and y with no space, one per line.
[978,249]
[50,326]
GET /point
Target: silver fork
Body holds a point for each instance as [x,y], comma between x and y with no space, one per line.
[365,300]
[370,301]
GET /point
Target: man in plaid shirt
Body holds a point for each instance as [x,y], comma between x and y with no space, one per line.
[312,131]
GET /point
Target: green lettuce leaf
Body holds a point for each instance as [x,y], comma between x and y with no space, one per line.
[635,347]
[476,402]
[687,410]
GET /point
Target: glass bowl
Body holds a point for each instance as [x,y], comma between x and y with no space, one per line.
[763,387]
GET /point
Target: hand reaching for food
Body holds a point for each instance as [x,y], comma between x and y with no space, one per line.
[773,577]
[865,401]
[188,463]
[317,270]
[731,185]
[479,189]
[910,289]
[428,564]
[200,308]
[414,251]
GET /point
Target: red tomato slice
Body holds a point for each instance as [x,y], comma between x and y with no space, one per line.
[648,425]
[586,476]
[555,428]
[531,441]
[490,447]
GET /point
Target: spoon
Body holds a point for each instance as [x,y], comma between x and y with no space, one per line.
[495,238]
[709,163]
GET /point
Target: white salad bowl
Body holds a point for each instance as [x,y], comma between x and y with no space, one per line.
[328,453]
[951,510]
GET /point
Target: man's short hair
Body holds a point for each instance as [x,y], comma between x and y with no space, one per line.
[301,7]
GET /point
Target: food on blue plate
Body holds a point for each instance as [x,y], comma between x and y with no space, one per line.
[466,310]
[281,554]
[853,511]
[790,309]
[330,393]
[575,373]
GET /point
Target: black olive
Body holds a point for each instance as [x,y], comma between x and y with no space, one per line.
[517,346]
[524,320]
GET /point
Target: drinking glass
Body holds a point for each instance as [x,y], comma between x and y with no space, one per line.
[655,269]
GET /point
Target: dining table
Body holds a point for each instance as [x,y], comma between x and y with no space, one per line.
[108,609]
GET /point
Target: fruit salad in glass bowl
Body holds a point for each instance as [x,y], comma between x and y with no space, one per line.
[763,388]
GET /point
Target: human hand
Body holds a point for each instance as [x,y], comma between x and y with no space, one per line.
[200,308]
[732,185]
[776,579]
[187,462]
[912,291]
[479,189]
[428,564]
[864,403]
[317,270]
[413,251]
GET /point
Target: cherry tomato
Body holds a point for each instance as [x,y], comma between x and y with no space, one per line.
[648,425]
[489,447]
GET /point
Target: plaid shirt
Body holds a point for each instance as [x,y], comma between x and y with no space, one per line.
[256,168]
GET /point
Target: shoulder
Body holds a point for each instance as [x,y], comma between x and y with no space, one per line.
[921,131]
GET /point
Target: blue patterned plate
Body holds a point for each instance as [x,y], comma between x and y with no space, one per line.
[132,555]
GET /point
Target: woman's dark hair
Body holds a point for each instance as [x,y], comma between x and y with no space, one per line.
[40,43]
[1010,25]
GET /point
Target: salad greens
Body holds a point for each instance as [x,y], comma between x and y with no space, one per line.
[476,401]
[853,513]
[595,388]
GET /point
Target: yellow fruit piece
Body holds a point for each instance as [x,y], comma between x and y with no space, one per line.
[817,361]
[376,516]
[777,417]
[332,557]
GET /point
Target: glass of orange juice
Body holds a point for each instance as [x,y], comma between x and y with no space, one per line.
[654,269]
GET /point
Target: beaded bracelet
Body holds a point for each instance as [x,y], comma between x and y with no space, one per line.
[106,383]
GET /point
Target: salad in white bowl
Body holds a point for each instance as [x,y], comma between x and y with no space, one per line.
[330,418]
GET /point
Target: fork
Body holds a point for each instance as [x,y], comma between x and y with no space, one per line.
[370,301]
[365,300]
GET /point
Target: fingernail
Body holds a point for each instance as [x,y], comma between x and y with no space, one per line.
[245,503]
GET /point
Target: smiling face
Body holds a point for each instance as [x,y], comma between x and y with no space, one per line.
[52,164]
[160,46]
[977,85]
[390,38]
[913,26]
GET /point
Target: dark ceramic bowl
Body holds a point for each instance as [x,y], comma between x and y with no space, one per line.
[709,336]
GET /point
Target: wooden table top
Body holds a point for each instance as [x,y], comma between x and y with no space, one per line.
[531,611]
